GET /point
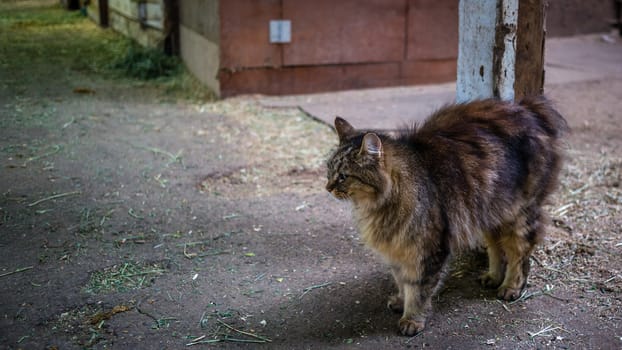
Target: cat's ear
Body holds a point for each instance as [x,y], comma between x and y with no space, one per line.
[371,145]
[344,129]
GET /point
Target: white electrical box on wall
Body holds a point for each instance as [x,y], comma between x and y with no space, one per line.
[280,31]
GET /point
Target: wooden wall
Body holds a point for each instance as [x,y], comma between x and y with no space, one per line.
[573,17]
[336,45]
[200,39]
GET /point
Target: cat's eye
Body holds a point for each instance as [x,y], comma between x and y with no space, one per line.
[341,177]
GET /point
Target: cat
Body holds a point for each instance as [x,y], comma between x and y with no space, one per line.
[473,174]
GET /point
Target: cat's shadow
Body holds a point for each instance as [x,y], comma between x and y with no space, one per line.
[356,307]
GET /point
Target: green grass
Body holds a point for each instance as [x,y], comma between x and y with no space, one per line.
[33,38]
[52,44]
[16,17]
[147,63]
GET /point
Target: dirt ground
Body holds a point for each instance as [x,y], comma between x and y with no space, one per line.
[134,217]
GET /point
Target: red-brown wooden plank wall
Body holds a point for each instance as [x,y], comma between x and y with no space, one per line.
[336,45]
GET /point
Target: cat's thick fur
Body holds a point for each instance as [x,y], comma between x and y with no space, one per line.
[473,174]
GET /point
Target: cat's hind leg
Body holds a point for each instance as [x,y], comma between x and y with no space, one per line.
[517,251]
[496,261]
[517,247]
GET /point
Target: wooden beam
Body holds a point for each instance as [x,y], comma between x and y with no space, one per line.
[530,37]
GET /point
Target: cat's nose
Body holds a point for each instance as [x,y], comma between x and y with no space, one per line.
[330,186]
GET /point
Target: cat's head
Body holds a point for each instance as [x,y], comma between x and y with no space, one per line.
[356,169]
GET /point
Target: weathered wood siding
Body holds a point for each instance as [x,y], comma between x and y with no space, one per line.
[334,44]
[200,38]
[123,17]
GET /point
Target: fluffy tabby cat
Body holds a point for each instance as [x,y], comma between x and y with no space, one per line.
[473,174]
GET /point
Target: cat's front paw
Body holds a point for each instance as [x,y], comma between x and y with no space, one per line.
[395,303]
[488,280]
[509,294]
[411,327]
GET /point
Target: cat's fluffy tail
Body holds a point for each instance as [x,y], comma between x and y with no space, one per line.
[552,121]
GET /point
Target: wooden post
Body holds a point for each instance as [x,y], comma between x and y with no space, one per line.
[103,13]
[501,49]
[171,27]
[530,35]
